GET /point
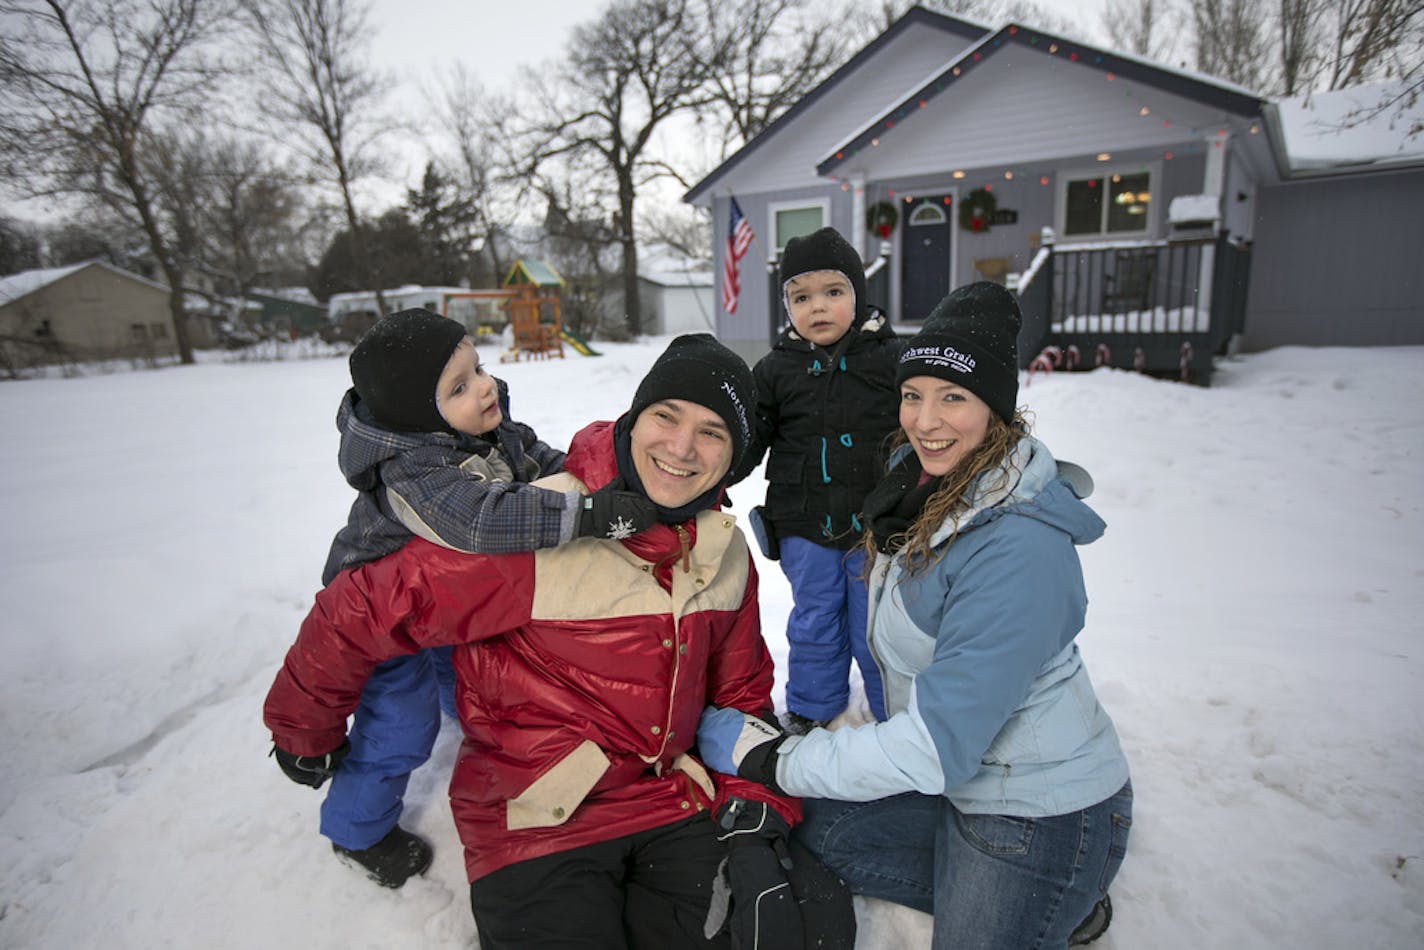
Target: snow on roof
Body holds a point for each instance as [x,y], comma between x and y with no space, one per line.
[1330,130]
[25,282]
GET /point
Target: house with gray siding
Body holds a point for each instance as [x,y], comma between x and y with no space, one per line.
[1126,202]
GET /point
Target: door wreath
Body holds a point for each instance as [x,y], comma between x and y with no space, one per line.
[976,211]
[881,218]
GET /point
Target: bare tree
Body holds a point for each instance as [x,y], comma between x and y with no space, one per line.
[1144,27]
[471,119]
[626,73]
[1372,39]
[320,86]
[235,212]
[1299,22]
[761,58]
[1229,40]
[82,85]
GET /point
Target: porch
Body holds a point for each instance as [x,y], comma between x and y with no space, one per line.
[1160,307]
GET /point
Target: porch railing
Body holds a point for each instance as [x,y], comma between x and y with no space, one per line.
[1153,306]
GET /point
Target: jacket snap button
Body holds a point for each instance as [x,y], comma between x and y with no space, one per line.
[559,812]
[700,582]
[667,643]
[682,648]
[726,522]
[657,730]
[686,806]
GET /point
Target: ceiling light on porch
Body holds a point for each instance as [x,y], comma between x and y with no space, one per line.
[1104,156]
[958,174]
[1008,176]
[1144,111]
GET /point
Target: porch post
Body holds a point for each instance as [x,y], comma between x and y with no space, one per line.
[1213,183]
[857,213]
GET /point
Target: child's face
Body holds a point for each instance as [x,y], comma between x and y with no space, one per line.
[466,395]
[821,304]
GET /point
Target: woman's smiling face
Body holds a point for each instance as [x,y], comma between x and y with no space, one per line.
[944,422]
[680,450]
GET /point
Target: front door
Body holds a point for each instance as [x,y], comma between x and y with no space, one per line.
[924,257]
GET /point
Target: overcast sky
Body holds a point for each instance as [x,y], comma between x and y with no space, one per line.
[415,40]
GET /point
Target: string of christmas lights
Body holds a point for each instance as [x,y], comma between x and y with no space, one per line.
[1144,108]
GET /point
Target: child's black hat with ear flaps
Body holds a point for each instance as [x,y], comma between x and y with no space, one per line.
[395,368]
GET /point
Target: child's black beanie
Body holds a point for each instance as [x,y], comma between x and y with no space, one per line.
[825,250]
[395,368]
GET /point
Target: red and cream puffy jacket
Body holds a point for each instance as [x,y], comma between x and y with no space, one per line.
[581,670]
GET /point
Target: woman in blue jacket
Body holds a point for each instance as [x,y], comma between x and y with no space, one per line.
[996,795]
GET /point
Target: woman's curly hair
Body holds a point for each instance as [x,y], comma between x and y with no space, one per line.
[950,498]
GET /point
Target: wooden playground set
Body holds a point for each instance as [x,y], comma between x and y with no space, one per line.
[529,297]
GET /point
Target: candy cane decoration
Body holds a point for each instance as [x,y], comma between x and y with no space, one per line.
[1186,362]
[1139,360]
[1070,361]
[1054,354]
[1102,356]
[1041,363]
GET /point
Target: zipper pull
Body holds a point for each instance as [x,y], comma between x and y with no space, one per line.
[682,539]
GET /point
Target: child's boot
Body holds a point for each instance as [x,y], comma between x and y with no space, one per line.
[391,861]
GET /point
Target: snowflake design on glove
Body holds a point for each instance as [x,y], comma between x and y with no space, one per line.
[621,528]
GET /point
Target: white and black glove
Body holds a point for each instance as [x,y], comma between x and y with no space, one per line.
[736,743]
[614,513]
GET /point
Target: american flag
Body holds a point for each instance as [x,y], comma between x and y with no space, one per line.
[739,238]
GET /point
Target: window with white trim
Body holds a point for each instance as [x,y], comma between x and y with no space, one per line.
[789,220]
[927,212]
[1110,203]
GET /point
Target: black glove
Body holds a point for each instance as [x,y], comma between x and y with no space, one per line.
[311,770]
[613,513]
[764,912]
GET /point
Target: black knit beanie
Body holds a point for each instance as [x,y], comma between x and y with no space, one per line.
[824,250]
[697,368]
[395,368]
[971,339]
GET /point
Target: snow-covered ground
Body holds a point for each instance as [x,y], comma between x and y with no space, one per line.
[1255,630]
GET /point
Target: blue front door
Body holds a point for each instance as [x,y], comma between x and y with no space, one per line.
[924,256]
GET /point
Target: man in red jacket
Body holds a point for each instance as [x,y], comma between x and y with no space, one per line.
[581,673]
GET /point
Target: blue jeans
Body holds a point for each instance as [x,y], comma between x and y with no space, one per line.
[392,734]
[992,882]
[827,627]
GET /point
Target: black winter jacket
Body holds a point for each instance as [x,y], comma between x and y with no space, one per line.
[826,416]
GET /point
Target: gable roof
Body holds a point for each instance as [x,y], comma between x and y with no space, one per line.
[531,271]
[24,283]
[1214,92]
[915,16]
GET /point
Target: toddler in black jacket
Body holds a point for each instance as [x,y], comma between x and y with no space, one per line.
[826,404]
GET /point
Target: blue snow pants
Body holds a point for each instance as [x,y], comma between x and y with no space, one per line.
[392,733]
[827,627]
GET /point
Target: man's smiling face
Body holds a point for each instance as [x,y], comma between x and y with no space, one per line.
[680,450]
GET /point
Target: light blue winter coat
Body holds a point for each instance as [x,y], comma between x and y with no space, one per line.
[988,698]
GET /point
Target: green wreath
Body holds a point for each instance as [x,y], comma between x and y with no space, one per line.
[881,218]
[976,211]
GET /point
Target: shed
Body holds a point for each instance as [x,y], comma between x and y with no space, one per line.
[87,311]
